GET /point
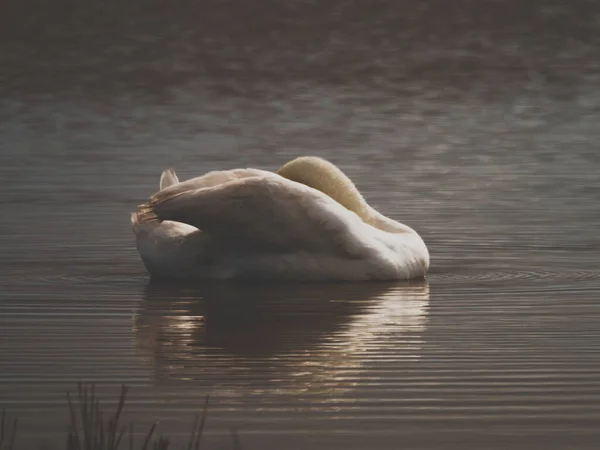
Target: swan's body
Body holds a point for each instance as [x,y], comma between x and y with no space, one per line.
[307,221]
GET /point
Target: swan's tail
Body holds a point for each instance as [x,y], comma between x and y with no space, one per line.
[143,218]
[136,222]
[145,215]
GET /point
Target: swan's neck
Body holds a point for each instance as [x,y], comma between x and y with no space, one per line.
[327,178]
[384,223]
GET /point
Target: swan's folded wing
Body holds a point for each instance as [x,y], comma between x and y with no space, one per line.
[209,179]
[269,213]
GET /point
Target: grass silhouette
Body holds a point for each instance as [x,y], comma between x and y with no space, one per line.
[91,429]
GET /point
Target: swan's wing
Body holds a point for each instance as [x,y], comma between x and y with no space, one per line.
[170,184]
[209,179]
[267,212]
[168,178]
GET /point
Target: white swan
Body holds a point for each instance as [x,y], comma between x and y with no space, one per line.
[305,222]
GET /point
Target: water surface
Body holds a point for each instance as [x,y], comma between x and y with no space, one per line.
[475,124]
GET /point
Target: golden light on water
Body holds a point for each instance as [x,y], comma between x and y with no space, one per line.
[292,339]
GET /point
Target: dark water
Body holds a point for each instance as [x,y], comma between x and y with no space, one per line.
[476,123]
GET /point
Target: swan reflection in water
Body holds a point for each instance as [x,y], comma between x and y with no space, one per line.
[288,338]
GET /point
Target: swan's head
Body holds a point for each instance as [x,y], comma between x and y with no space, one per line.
[324,176]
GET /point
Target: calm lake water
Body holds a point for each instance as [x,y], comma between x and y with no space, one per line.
[475,123]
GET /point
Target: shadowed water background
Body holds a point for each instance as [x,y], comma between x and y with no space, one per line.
[475,123]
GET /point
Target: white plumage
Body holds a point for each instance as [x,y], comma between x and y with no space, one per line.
[305,222]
